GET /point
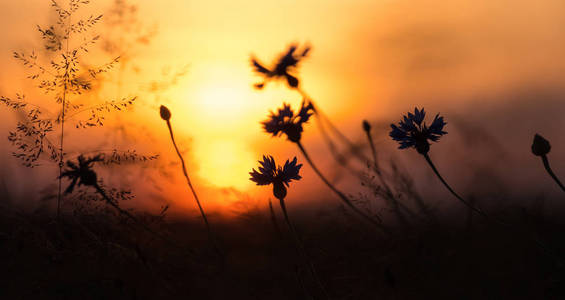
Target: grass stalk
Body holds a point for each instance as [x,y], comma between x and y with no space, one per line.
[338,157]
[396,205]
[323,118]
[344,199]
[126,213]
[63,103]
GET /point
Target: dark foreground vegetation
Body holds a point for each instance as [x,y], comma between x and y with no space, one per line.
[105,256]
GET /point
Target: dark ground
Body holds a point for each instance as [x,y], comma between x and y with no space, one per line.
[101,256]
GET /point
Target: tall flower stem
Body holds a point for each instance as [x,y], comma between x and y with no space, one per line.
[531,236]
[376,164]
[338,192]
[550,172]
[210,236]
[301,247]
[274,218]
[469,205]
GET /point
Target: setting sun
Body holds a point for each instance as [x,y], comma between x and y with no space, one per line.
[225,162]
[220,94]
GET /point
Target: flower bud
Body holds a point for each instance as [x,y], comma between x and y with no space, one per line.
[165,113]
[540,146]
[421,143]
[279,190]
[366,126]
[294,133]
[88,177]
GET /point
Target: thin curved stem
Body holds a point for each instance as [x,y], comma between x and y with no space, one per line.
[339,193]
[548,169]
[301,247]
[193,190]
[530,235]
[351,146]
[469,205]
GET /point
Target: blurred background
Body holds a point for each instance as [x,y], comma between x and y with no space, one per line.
[494,70]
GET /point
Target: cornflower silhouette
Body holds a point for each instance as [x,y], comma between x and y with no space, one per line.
[166,116]
[541,147]
[286,122]
[288,62]
[413,132]
[280,177]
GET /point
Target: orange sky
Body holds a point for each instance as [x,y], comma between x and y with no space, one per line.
[370,60]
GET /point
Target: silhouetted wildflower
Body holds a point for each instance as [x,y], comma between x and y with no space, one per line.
[286,63]
[81,172]
[540,146]
[285,121]
[413,131]
[279,176]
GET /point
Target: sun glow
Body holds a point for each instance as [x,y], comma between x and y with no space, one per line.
[219,102]
[225,162]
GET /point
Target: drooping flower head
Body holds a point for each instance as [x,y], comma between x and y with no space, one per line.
[540,146]
[285,121]
[412,131]
[81,172]
[285,64]
[279,176]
